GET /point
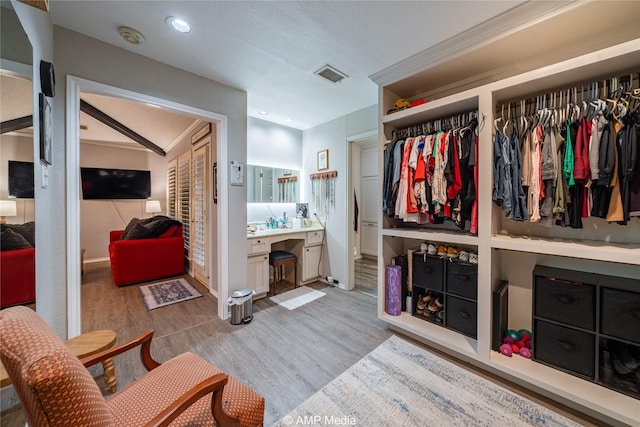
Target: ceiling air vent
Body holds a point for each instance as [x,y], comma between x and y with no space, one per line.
[130,35]
[331,74]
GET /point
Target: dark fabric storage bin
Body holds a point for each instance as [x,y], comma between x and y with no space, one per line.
[566,302]
[565,348]
[620,314]
[462,279]
[461,315]
[428,271]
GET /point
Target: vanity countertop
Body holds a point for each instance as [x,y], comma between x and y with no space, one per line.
[281,231]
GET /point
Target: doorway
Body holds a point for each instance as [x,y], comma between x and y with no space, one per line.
[364,232]
[74,87]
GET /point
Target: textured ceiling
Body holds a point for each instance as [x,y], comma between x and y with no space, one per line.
[271,49]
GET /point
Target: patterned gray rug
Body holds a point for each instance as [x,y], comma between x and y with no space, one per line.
[400,384]
[168,292]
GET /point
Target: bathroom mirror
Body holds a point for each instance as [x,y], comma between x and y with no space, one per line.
[272,185]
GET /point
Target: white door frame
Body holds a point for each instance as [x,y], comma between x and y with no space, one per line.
[352,141]
[74,86]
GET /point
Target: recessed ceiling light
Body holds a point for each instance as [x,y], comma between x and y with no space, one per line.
[263,113]
[179,24]
[288,120]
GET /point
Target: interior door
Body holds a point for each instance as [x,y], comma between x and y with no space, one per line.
[200,212]
[184,201]
[368,204]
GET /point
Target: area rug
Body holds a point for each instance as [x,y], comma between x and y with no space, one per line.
[400,384]
[297,297]
[168,292]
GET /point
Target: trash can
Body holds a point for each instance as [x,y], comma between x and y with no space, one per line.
[241,306]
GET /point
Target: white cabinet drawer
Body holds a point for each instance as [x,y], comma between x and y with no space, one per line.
[257,246]
[314,238]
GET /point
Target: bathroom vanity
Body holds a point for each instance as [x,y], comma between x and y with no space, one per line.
[305,242]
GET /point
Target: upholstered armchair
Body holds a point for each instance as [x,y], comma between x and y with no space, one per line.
[56,389]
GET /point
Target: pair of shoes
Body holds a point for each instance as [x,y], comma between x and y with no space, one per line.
[453,252]
[432,249]
[448,251]
[473,258]
[420,305]
[435,305]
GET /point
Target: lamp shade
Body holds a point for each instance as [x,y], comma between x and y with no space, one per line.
[8,208]
[153,206]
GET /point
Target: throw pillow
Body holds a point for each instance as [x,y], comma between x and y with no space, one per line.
[26,230]
[128,228]
[10,240]
[138,231]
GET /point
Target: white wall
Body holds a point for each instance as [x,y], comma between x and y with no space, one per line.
[93,60]
[333,136]
[50,213]
[273,145]
[99,217]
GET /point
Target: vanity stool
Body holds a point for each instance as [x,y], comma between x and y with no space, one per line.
[278,259]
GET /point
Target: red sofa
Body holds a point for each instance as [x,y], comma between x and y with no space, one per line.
[17,277]
[140,260]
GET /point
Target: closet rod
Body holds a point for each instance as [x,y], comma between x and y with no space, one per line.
[578,93]
[425,128]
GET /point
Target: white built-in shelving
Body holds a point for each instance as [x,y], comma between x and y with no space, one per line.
[509,251]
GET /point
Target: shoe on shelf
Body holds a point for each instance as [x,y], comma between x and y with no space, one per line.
[442,250]
[424,247]
[432,249]
[452,252]
[435,305]
[464,256]
[473,258]
[420,305]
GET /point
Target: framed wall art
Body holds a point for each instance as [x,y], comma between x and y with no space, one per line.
[46,129]
[323,160]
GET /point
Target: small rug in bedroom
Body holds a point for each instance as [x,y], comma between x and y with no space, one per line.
[297,297]
[400,384]
[168,292]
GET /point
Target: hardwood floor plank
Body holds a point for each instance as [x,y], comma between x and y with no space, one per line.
[285,355]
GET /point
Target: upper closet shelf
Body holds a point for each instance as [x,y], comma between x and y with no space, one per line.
[433,110]
[624,253]
[441,236]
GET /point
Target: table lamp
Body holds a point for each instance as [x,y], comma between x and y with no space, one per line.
[153,207]
[7,208]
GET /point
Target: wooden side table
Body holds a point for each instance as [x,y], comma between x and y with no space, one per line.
[83,346]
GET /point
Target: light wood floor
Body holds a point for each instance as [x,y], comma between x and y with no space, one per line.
[366,275]
[284,355]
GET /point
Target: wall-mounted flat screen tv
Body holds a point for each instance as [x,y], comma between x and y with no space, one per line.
[102,183]
[20,179]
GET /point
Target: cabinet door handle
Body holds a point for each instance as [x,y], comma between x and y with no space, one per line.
[565,299]
[464,314]
[265,257]
[566,345]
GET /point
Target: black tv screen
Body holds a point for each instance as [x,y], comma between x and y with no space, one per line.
[102,183]
[20,179]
